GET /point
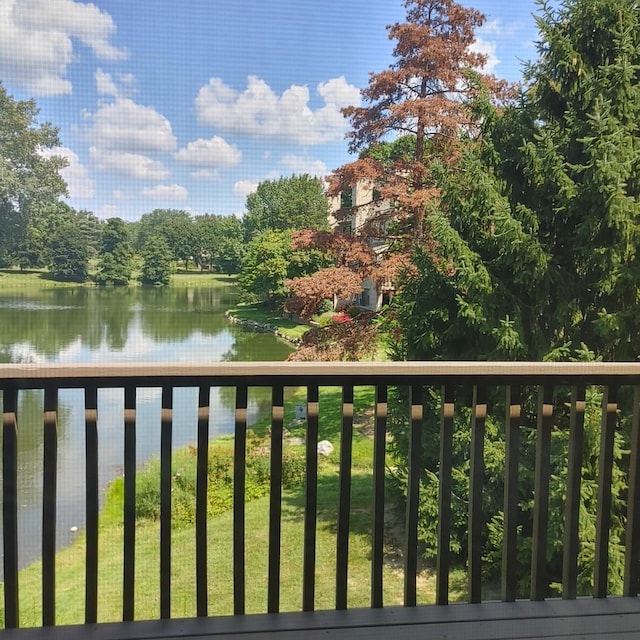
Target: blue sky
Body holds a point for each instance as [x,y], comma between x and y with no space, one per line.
[189,104]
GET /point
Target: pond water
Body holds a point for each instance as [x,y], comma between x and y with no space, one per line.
[137,324]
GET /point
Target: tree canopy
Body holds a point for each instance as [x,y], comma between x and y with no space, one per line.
[29,174]
[537,237]
[295,202]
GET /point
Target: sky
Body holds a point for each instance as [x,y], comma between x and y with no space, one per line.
[189,104]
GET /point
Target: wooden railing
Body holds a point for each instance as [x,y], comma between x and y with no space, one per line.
[453,384]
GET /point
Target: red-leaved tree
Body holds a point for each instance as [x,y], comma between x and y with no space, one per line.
[415,117]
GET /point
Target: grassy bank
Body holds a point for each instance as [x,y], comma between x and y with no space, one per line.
[70,561]
[263,315]
[14,279]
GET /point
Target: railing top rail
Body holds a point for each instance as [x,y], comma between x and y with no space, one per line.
[322,373]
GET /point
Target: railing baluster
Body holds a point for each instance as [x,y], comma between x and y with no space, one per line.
[572,504]
[92,504]
[10,506]
[539,581]
[379,454]
[311,501]
[49,491]
[632,534]
[166,436]
[605,471]
[344,499]
[202,470]
[512,450]
[413,491]
[129,555]
[239,463]
[444,495]
[476,487]
[275,499]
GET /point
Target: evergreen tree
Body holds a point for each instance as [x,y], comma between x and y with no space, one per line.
[115,264]
[157,265]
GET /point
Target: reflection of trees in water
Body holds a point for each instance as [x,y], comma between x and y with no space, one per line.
[30,441]
[115,311]
[176,313]
[48,322]
[249,346]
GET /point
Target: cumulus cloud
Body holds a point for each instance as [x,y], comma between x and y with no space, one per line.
[245,187]
[75,174]
[260,112]
[36,45]
[121,87]
[166,192]
[302,164]
[131,165]
[127,126]
[216,153]
[488,49]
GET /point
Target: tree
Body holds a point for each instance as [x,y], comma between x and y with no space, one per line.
[270,261]
[422,99]
[175,226]
[537,236]
[115,264]
[535,257]
[28,177]
[157,265]
[69,254]
[220,243]
[417,118]
[296,202]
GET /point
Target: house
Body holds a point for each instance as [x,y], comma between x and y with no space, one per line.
[350,212]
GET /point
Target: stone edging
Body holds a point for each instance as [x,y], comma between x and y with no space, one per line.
[260,327]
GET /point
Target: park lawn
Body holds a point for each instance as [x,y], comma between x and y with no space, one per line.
[14,279]
[70,565]
[70,561]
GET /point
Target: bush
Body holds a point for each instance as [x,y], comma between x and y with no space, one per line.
[220,477]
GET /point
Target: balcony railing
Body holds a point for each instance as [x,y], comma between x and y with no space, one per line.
[456,387]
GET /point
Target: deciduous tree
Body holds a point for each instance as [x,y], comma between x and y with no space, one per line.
[295,202]
[28,176]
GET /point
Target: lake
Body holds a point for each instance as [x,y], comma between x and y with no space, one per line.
[135,324]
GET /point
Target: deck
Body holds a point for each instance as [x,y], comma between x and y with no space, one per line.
[554,397]
[615,618]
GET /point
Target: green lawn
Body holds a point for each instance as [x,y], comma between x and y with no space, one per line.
[70,561]
[12,279]
[260,313]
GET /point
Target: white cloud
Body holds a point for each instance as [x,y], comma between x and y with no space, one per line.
[302,164]
[166,192]
[75,174]
[132,165]
[206,174]
[245,187]
[107,86]
[36,45]
[260,112]
[488,49]
[108,211]
[215,152]
[127,126]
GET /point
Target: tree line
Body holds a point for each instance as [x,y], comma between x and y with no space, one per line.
[39,230]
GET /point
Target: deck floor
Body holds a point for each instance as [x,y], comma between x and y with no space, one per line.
[616,618]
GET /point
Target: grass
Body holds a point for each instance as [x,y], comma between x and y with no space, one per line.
[70,561]
[261,313]
[12,279]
